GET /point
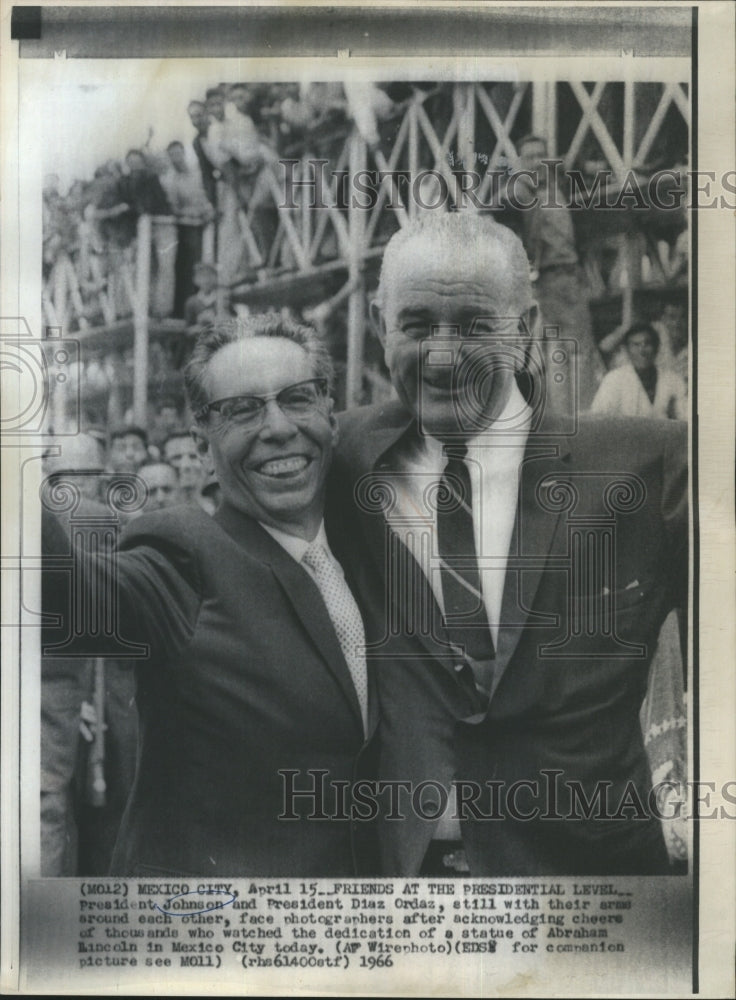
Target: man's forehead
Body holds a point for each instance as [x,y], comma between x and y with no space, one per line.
[486,264]
[257,364]
[430,250]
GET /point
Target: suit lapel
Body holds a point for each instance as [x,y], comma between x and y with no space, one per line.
[300,590]
[309,605]
[546,456]
[404,575]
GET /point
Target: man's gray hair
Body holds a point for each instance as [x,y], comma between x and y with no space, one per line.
[460,233]
[231,331]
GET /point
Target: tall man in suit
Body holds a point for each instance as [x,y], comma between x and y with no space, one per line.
[528,562]
[254,668]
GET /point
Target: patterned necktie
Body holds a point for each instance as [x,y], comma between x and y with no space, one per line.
[345,617]
[461,582]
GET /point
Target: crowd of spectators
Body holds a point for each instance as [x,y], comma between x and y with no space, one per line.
[212,207]
[210,196]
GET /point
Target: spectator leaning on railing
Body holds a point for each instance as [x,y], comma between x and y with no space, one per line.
[200,120]
[193,211]
[137,193]
[59,230]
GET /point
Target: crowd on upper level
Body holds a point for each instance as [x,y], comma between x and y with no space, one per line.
[209,194]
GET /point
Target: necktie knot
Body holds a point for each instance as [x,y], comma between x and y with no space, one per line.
[454,487]
[455,452]
[315,557]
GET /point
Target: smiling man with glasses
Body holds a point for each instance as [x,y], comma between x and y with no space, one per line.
[264,415]
[256,663]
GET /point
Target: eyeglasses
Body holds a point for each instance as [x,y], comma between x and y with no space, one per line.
[296,401]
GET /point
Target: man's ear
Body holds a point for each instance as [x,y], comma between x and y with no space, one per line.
[529,322]
[529,331]
[377,321]
[332,416]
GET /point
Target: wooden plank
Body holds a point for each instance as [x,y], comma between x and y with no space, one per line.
[400,142]
[140,322]
[356,300]
[439,150]
[498,126]
[583,125]
[285,217]
[682,101]
[296,289]
[655,123]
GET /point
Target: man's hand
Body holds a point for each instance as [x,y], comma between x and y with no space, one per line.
[110,213]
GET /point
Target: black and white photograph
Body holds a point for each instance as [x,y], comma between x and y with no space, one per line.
[367,603]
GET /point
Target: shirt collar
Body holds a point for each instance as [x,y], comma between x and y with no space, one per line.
[512,423]
[294,545]
[510,427]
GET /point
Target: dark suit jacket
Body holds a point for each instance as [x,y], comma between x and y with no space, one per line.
[572,658]
[245,677]
[209,181]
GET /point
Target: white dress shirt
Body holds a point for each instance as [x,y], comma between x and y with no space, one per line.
[296,547]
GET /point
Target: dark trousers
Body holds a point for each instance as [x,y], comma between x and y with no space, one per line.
[188,253]
[98,825]
[65,685]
